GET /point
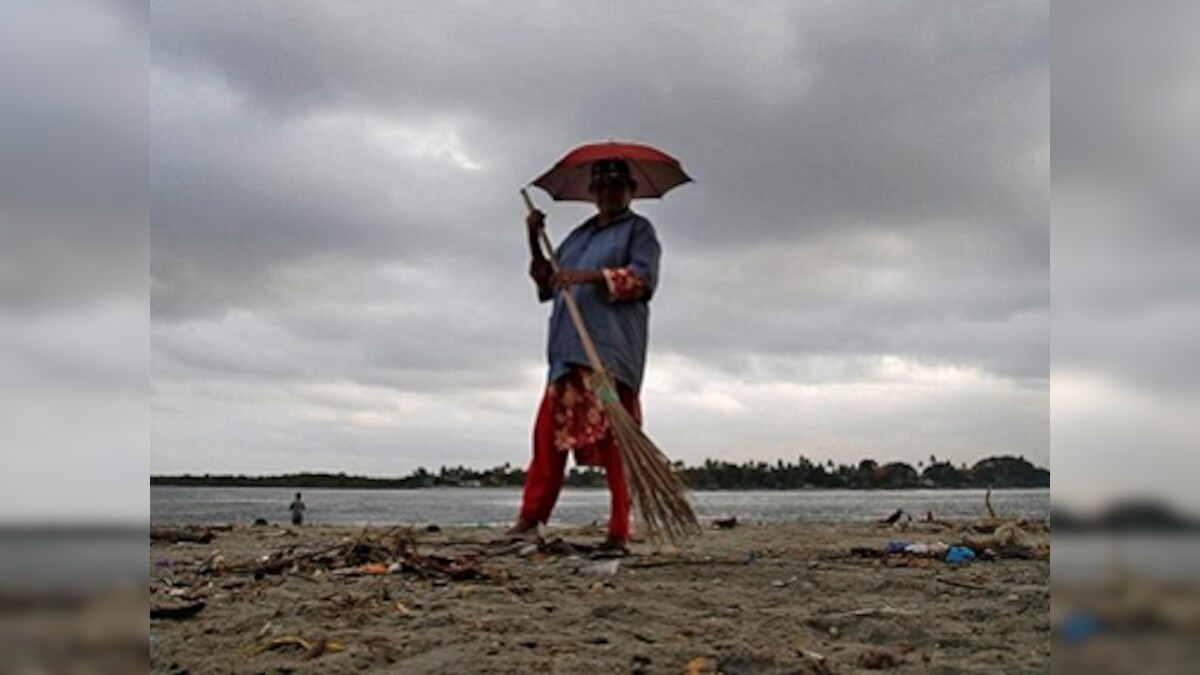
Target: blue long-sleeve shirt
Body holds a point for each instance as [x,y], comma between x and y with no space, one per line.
[618,327]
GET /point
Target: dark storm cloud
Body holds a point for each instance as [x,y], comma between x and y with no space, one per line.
[857,119]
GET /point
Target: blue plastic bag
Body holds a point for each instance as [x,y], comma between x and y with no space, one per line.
[959,554]
[894,547]
[1080,627]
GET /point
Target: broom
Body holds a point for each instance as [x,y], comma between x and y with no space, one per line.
[659,495]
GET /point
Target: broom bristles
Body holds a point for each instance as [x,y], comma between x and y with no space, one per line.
[659,494]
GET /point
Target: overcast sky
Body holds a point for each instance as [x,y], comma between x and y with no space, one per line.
[328,267]
[1126,392]
[337,263]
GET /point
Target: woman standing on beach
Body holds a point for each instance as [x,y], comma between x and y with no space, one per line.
[610,262]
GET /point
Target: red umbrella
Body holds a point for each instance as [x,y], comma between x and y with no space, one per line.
[655,171]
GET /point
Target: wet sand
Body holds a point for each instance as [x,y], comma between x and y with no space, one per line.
[775,598]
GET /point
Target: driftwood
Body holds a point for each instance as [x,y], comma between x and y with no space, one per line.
[394,546]
[930,519]
[171,534]
[312,648]
[830,619]
[177,612]
[277,565]
[681,562]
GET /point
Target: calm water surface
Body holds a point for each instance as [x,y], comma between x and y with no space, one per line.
[490,506]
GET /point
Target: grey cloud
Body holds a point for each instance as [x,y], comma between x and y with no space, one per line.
[858,112]
[73,154]
[930,137]
[1125,204]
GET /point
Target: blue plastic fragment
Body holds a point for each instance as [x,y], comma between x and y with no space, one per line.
[1080,627]
[959,554]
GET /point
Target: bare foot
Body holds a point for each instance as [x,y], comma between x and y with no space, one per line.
[524,529]
[613,548]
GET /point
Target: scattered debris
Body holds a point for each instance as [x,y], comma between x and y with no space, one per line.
[813,663]
[707,560]
[312,648]
[606,568]
[1005,540]
[404,579]
[739,664]
[870,612]
[213,564]
[1080,627]
[896,515]
[831,622]
[961,584]
[930,519]
[365,569]
[960,554]
[725,523]
[191,534]
[878,660]
[924,549]
[390,552]
[1009,540]
[177,612]
[919,562]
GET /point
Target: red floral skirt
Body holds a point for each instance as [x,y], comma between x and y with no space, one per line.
[580,422]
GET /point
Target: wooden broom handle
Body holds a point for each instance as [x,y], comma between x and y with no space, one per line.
[588,346]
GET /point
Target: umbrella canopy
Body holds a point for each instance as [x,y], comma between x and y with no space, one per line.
[655,171]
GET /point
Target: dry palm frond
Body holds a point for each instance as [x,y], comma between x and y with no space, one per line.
[659,495]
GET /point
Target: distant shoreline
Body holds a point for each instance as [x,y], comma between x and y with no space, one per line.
[167,481]
[1001,472]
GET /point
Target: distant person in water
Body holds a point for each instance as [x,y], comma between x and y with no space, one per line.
[297,508]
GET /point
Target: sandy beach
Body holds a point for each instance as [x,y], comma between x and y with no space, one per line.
[773,598]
